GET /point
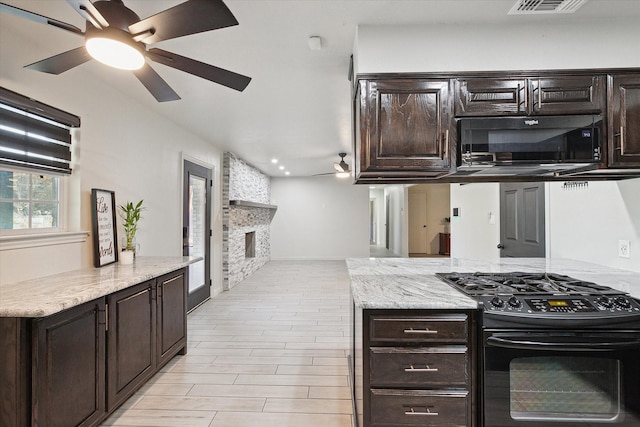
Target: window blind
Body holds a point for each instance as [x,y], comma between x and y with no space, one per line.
[33,134]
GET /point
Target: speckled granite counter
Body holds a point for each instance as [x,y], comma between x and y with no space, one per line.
[52,294]
[410,283]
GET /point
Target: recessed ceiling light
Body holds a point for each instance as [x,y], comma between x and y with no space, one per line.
[274,161]
[287,173]
[315,43]
[281,168]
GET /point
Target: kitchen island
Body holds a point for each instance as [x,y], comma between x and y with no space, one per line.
[74,346]
[414,355]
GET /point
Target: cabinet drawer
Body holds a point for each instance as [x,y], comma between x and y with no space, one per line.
[419,408]
[419,367]
[441,328]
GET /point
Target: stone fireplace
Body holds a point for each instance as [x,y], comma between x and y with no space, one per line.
[247,215]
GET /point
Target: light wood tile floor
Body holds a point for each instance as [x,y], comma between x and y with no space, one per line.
[270,352]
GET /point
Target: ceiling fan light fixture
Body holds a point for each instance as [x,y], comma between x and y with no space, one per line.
[112,51]
[343,174]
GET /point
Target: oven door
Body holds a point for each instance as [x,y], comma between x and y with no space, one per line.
[561,378]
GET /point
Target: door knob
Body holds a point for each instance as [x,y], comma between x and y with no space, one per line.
[500,246]
[424,226]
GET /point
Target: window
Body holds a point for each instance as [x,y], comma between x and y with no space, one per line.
[29,201]
[35,161]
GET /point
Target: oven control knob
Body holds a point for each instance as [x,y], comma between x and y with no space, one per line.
[497,302]
[606,302]
[622,302]
[514,302]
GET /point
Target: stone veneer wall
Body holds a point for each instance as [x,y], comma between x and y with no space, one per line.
[242,181]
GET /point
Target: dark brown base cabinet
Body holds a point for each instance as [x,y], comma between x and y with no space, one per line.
[414,368]
[76,367]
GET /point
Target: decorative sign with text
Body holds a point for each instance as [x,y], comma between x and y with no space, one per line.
[103,214]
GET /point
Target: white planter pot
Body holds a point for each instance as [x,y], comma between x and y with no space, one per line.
[126,257]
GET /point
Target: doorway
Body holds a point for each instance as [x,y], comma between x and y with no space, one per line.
[522,220]
[196,230]
[428,226]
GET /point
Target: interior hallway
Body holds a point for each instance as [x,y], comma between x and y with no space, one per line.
[270,352]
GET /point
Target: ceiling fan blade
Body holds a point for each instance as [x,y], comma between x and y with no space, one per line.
[160,90]
[89,12]
[190,17]
[5,8]
[209,72]
[338,167]
[62,62]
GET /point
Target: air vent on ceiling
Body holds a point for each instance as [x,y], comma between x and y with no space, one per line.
[545,6]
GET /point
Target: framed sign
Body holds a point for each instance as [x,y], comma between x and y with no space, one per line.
[103,218]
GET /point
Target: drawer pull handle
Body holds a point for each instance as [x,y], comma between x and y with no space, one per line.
[420,331]
[427,411]
[427,368]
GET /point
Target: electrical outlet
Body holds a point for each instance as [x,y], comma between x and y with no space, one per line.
[623,249]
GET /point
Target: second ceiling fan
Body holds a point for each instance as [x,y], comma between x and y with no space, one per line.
[116,36]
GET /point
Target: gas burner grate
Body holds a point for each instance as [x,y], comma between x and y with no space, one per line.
[521,283]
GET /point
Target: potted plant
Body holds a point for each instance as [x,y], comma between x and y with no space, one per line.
[130,214]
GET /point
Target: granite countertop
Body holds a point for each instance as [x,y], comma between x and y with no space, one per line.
[410,283]
[51,294]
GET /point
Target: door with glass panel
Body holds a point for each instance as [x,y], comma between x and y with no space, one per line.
[196,230]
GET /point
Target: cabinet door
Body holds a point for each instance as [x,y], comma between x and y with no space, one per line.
[490,97]
[68,367]
[567,95]
[132,341]
[404,127]
[624,121]
[172,315]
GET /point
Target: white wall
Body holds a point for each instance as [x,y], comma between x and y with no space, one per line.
[123,147]
[517,46]
[587,223]
[377,196]
[472,236]
[398,219]
[319,218]
[583,224]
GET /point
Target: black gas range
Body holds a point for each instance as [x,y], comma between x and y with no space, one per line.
[555,351]
[544,298]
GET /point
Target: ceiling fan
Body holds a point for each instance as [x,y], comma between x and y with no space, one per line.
[341,168]
[116,36]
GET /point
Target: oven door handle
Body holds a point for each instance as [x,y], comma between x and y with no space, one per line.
[526,344]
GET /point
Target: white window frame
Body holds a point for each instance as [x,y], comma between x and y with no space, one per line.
[62,207]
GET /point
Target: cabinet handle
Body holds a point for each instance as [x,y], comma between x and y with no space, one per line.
[539,96]
[621,140]
[446,143]
[106,317]
[427,411]
[425,331]
[427,368]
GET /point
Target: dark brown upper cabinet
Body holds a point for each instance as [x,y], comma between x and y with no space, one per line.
[491,96]
[494,96]
[567,95]
[624,120]
[403,128]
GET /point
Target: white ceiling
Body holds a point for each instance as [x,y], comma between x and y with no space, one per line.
[297,107]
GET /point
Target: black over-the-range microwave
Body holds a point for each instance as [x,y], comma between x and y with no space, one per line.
[550,142]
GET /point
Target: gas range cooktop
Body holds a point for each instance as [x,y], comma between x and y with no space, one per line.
[517,283]
[541,294]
